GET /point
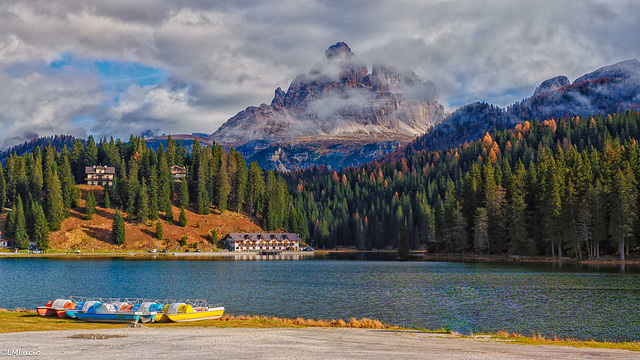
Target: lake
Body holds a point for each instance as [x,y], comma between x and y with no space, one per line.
[601,303]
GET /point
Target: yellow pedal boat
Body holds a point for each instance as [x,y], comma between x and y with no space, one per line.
[180,312]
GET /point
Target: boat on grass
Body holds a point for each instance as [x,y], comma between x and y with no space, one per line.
[181,312]
[56,307]
[120,312]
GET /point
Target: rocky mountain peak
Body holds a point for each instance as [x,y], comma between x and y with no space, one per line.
[340,49]
[552,85]
[278,99]
[338,97]
[624,70]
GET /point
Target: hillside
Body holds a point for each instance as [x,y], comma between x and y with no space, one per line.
[78,233]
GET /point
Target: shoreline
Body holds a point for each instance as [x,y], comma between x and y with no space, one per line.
[298,333]
[296,255]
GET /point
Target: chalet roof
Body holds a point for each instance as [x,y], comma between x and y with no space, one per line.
[175,168]
[262,236]
[92,169]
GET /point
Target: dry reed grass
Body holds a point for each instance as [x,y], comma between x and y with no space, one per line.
[363,323]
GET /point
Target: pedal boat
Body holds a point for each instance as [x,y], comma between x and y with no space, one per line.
[181,312]
[57,307]
[119,312]
[82,306]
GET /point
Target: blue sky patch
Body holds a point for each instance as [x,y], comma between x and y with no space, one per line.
[113,75]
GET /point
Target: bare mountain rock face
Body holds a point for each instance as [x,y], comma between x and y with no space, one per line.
[340,98]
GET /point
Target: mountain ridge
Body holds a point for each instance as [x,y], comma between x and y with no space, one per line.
[339,97]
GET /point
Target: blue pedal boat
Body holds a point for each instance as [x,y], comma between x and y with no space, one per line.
[118,313]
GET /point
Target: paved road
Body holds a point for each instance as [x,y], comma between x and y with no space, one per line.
[289,343]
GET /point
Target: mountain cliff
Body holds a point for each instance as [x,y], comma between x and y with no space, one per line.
[338,97]
[608,90]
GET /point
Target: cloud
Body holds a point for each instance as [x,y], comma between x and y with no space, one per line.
[217,57]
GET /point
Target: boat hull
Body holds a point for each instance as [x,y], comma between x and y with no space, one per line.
[46,311]
[214,313]
[62,314]
[112,318]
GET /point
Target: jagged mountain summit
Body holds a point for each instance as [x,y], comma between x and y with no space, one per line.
[338,97]
[608,90]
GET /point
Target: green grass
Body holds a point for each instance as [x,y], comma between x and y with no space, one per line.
[21,320]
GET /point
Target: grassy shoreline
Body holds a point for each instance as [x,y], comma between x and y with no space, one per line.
[28,320]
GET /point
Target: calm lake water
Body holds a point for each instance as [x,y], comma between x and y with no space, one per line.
[600,303]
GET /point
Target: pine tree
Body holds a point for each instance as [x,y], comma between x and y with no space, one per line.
[222,190]
[77,162]
[19,225]
[403,242]
[67,182]
[90,205]
[37,177]
[623,209]
[152,193]
[53,203]
[182,221]
[90,153]
[40,227]
[241,181]
[159,231]
[142,203]
[255,187]
[168,213]
[118,229]
[519,241]
[480,229]
[106,202]
[202,200]
[183,194]
[3,192]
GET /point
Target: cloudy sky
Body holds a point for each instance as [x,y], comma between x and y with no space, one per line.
[120,66]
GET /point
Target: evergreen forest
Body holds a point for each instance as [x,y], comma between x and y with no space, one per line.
[553,188]
[39,187]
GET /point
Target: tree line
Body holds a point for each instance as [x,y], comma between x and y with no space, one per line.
[39,186]
[553,188]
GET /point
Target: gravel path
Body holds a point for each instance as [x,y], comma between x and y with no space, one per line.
[287,343]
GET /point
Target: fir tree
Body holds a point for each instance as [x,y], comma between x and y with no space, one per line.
[241,181]
[222,190]
[183,194]
[152,193]
[623,209]
[3,192]
[19,225]
[90,205]
[90,153]
[37,177]
[182,221]
[159,231]
[53,203]
[40,227]
[118,229]
[142,203]
[106,202]
[255,187]
[480,229]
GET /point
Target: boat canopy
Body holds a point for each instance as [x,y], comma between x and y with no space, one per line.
[180,308]
[59,303]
